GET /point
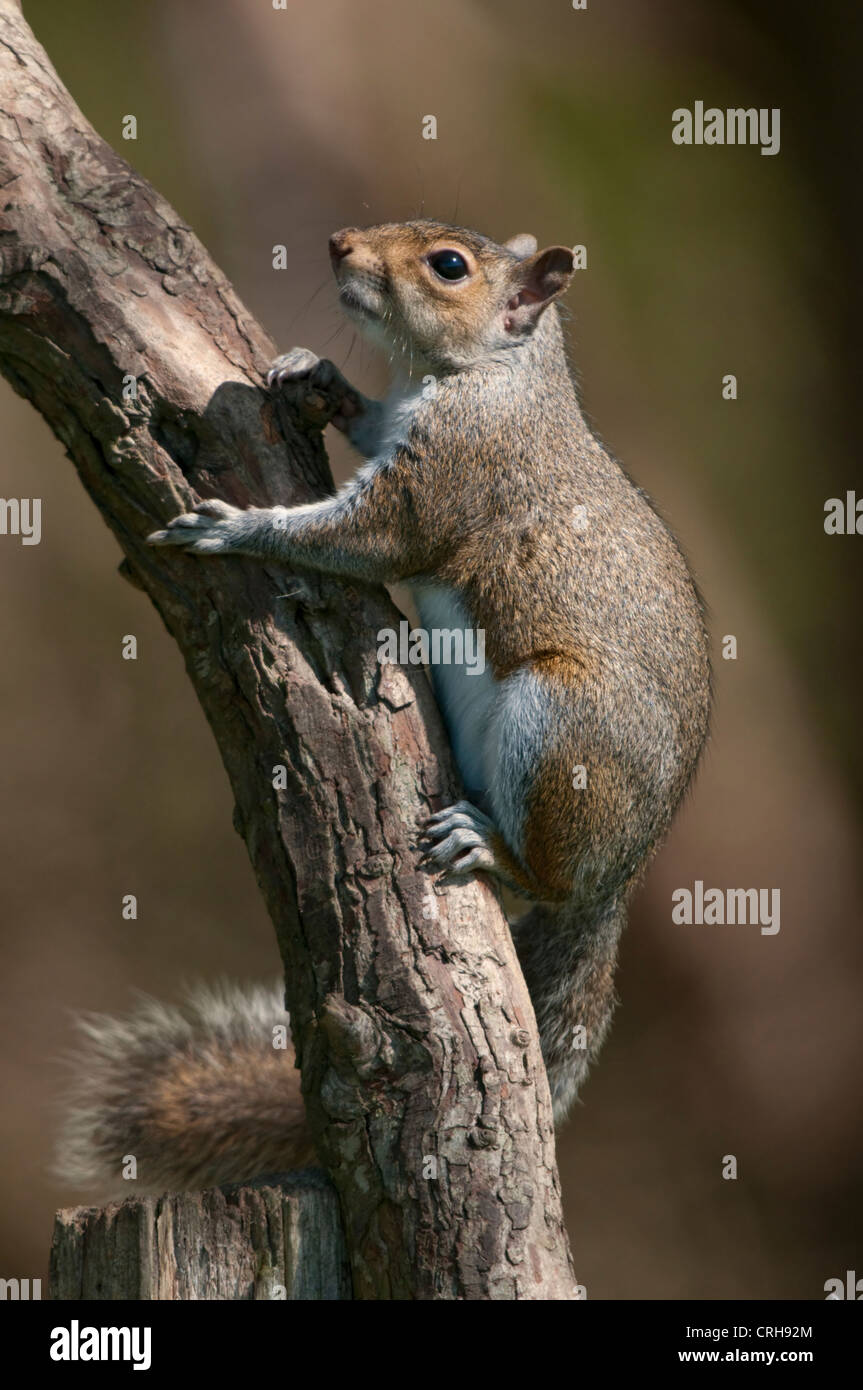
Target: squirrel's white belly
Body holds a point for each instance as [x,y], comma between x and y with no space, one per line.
[466,691]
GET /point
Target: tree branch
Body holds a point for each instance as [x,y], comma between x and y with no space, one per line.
[411,1019]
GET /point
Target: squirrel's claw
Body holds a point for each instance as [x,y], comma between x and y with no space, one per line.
[459,839]
[315,387]
[292,366]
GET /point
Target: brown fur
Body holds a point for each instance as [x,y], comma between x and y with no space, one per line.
[197,1095]
[491,493]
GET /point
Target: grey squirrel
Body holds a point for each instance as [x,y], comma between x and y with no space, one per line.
[485,491]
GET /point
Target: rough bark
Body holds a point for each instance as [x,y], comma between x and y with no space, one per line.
[420,1062]
[275,1239]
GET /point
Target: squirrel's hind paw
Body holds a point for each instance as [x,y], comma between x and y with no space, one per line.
[460,840]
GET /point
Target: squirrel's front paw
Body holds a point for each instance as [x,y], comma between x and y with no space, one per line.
[315,387]
[213,526]
[293,367]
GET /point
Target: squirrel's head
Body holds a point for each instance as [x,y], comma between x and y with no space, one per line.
[442,296]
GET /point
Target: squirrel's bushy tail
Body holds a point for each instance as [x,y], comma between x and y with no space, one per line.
[568,955]
[196,1094]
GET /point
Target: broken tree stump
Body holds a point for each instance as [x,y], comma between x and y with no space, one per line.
[276,1238]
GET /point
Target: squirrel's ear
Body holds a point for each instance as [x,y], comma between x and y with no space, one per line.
[536,283]
[523,245]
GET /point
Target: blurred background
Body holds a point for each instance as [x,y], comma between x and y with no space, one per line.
[264,126]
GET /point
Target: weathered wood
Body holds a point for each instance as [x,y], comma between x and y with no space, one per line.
[278,1238]
[422,1073]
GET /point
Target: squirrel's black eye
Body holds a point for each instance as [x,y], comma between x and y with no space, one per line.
[449,265]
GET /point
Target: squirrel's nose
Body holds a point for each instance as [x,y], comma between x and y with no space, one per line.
[341,244]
